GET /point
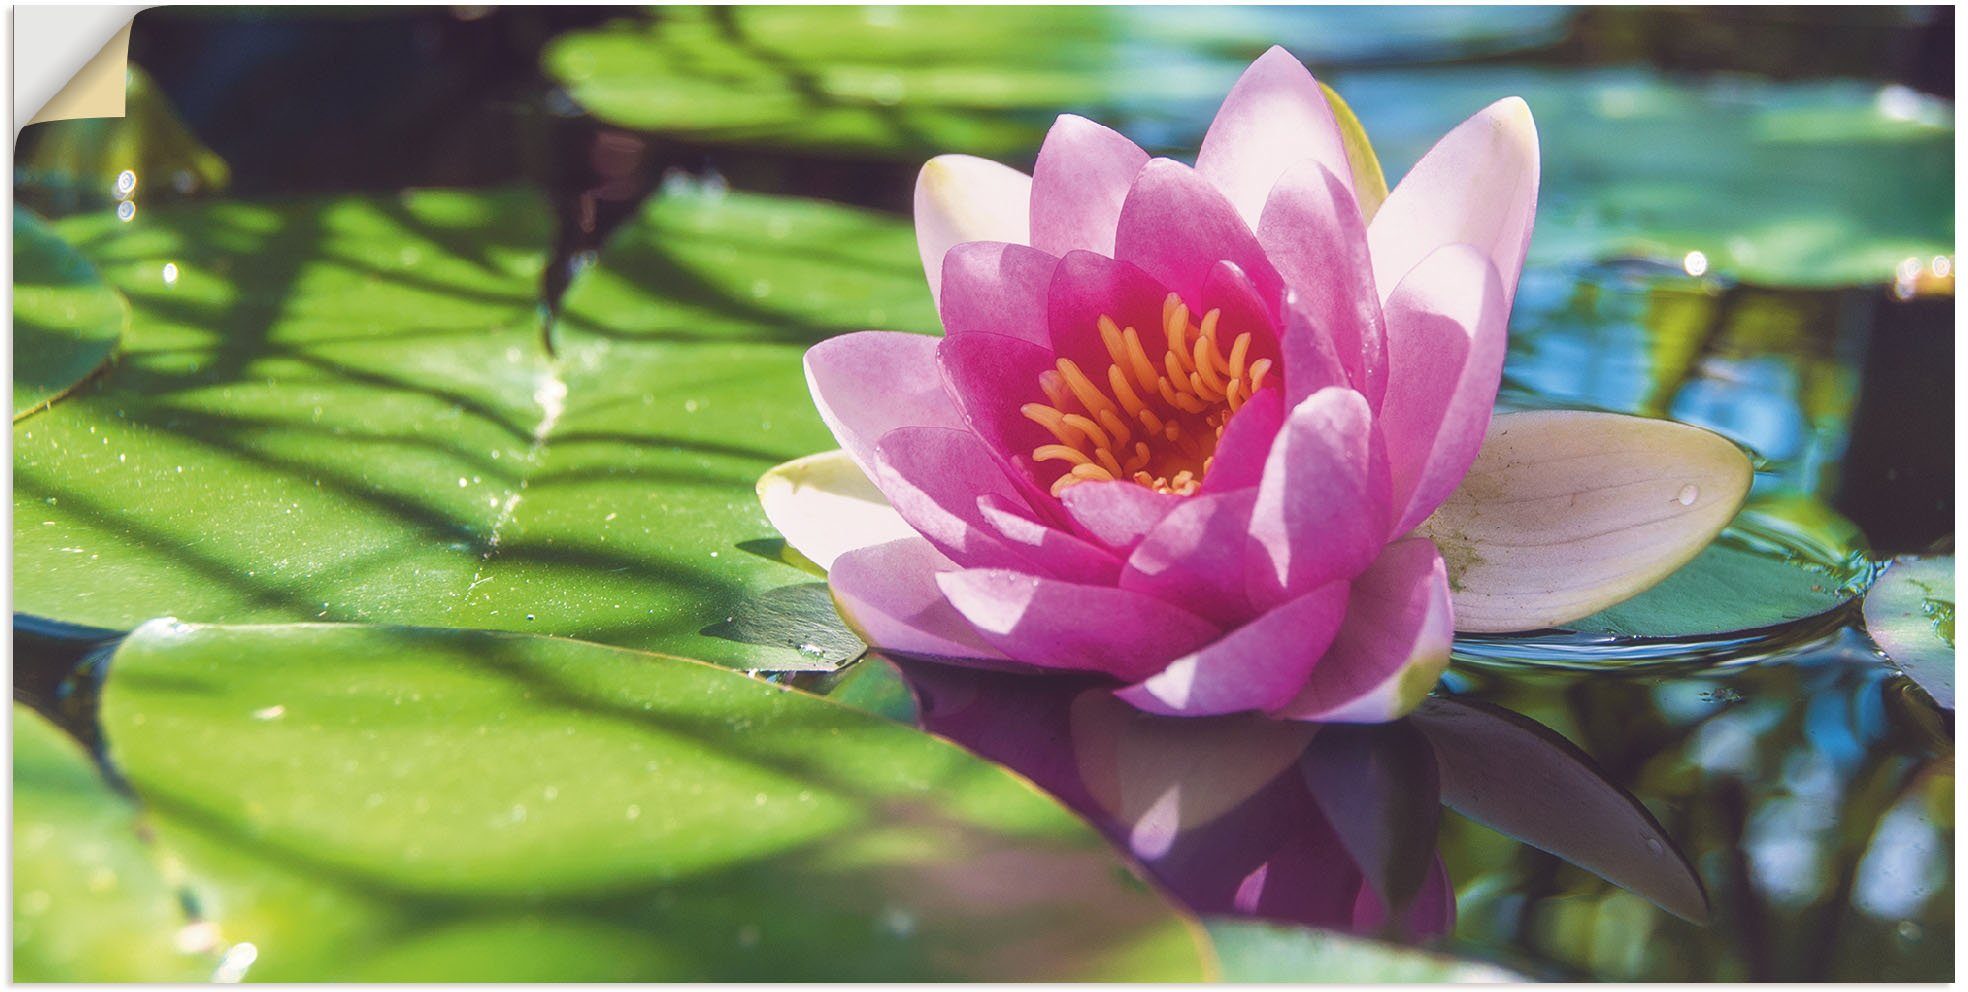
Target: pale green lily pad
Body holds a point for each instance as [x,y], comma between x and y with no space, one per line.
[389,804]
[1264,952]
[90,904]
[1818,183]
[909,82]
[1910,614]
[342,409]
[66,321]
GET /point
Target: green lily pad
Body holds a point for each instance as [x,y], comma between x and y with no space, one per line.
[1819,183]
[1264,952]
[908,82]
[89,903]
[1910,614]
[66,321]
[391,804]
[342,410]
[1780,561]
[1776,575]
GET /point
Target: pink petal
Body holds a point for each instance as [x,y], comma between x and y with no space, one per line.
[1275,117]
[888,594]
[1246,443]
[1176,227]
[1227,289]
[933,477]
[991,287]
[868,383]
[1393,645]
[1258,666]
[1321,511]
[1312,360]
[991,377]
[1082,175]
[1059,554]
[1197,557]
[1313,233]
[1065,625]
[1446,329]
[1087,287]
[1117,514]
[963,198]
[1477,186]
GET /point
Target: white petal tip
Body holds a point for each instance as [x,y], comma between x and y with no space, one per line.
[824,506]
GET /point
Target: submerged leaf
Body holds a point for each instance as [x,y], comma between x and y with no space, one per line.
[1567,512]
[1910,614]
[1525,781]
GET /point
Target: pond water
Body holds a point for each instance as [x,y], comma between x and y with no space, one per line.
[1808,785]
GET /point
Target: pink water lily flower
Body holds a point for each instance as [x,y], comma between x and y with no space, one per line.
[1185,425]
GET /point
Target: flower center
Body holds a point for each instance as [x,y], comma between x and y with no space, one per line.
[1154,424]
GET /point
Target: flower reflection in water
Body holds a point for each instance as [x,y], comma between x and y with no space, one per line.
[1319,825]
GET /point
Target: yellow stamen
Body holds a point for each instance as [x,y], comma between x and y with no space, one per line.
[1155,423]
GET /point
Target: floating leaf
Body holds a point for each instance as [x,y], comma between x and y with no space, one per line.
[89,903]
[1262,952]
[1522,779]
[66,321]
[342,410]
[491,806]
[1910,614]
[897,82]
[1567,512]
[1817,183]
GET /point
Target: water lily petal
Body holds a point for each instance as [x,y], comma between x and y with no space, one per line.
[1525,781]
[1275,117]
[1177,226]
[1321,511]
[1392,647]
[889,597]
[1566,512]
[824,506]
[1057,624]
[1081,177]
[1241,308]
[1196,556]
[1246,443]
[1089,286]
[1258,666]
[1059,554]
[1117,514]
[991,377]
[963,198]
[1312,230]
[933,477]
[996,288]
[868,383]
[1477,186]
[1446,328]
